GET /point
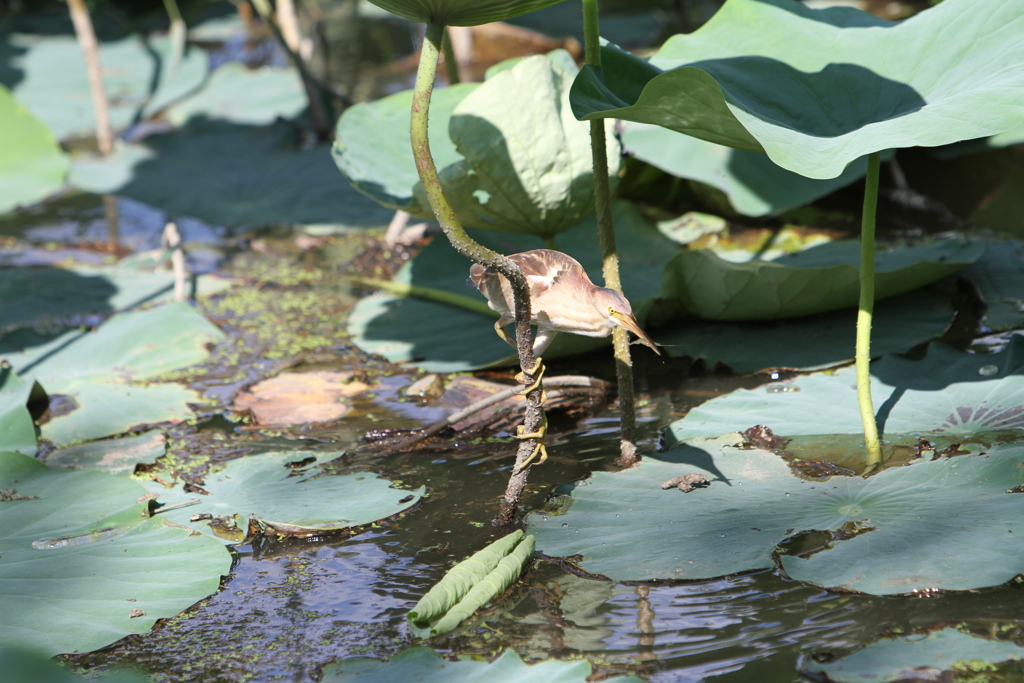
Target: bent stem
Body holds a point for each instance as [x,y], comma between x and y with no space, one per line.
[465,245]
[609,254]
[90,51]
[866,308]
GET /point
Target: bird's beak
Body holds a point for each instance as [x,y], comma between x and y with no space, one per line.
[630,323]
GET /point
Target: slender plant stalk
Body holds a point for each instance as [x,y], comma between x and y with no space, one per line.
[609,253]
[465,245]
[866,308]
[178,32]
[451,64]
[90,50]
[427,294]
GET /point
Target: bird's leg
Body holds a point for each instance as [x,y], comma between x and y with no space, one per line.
[537,372]
[543,339]
[499,327]
[539,449]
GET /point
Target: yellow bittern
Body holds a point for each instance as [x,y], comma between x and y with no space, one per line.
[562,299]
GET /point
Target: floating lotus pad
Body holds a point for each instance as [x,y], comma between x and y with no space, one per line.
[817,280]
[113,456]
[48,75]
[241,95]
[96,370]
[903,537]
[443,338]
[999,275]
[32,165]
[425,666]
[17,429]
[288,493]
[917,656]
[230,174]
[842,84]
[949,393]
[754,184]
[77,549]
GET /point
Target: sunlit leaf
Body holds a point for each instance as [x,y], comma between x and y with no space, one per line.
[286,492]
[32,165]
[113,456]
[100,371]
[817,280]
[17,430]
[817,89]
[241,95]
[82,564]
[896,534]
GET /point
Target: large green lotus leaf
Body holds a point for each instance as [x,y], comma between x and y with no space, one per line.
[47,74]
[42,294]
[79,554]
[17,429]
[527,163]
[32,165]
[817,89]
[96,370]
[230,174]
[443,338]
[907,540]
[817,280]
[426,666]
[948,392]
[22,665]
[113,456]
[754,185]
[287,492]
[241,95]
[914,657]
[999,275]
[812,342]
[461,12]
[1014,136]
[381,165]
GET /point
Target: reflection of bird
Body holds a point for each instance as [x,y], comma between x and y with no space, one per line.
[562,299]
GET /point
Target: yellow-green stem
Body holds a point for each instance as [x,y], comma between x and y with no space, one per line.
[866,308]
[465,245]
[427,294]
[609,253]
[451,65]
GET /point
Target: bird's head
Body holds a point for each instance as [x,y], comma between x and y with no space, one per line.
[616,308]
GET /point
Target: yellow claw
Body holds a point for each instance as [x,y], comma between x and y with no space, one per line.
[499,327]
[539,449]
[538,374]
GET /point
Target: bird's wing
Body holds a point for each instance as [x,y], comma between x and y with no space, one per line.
[544,267]
[477,275]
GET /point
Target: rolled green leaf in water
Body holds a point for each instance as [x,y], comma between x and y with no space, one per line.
[470,584]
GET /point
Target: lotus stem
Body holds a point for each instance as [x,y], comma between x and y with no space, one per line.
[451,64]
[609,253]
[178,32]
[866,308]
[427,294]
[90,50]
[465,245]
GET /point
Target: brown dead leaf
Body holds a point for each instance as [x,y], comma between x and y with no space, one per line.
[299,398]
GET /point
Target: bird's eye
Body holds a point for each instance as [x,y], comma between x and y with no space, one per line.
[611,311]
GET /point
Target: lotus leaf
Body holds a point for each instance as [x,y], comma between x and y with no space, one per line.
[28,666]
[82,564]
[424,665]
[527,164]
[999,275]
[97,370]
[382,166]
[754,185]
[817,280]
[17,429]
[235,93]
[900,537]
[47,74]
[420,331]
[32,165]
[812,342]
[113,456]
[230,174]
[916,656]
[461,12]
[286,492]
[817,89]
[947,393]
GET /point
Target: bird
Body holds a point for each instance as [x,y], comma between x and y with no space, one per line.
[562,299]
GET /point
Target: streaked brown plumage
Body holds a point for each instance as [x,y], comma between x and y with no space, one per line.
[562,299]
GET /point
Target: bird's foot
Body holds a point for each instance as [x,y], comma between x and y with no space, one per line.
[537,372]
[499,327]
[539,451]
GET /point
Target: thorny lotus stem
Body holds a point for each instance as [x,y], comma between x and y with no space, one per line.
[87,40]
[609,254]
[466,246]
[867,304]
